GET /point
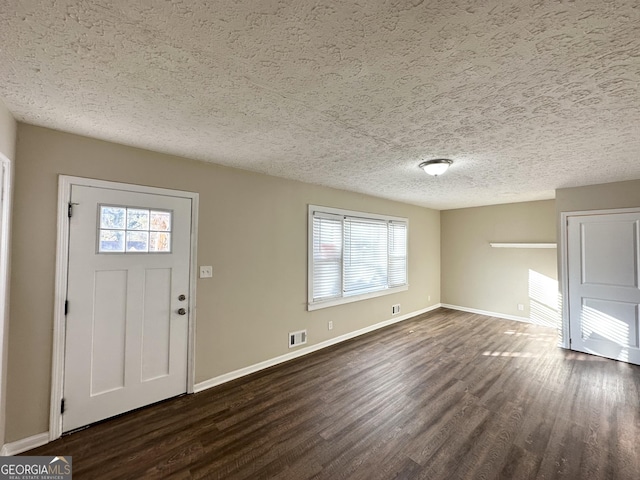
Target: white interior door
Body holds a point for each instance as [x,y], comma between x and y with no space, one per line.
[127,312]
[603,252]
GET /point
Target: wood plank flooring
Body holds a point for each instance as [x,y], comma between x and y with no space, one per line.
[447,395]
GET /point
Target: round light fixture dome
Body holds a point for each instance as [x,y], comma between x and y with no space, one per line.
[436,167]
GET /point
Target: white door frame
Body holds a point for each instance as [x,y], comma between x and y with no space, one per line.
[564,261]
[6,191]
[65,183]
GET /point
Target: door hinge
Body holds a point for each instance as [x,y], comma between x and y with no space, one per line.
[62,406]
[66,307]
[70,209]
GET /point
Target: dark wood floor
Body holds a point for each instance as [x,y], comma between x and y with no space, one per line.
[448,395]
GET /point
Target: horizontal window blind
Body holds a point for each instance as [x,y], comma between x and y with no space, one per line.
[397,253]
[354,255]
[327,256]
[365,256]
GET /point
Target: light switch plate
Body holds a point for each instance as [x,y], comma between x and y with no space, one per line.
[206,271]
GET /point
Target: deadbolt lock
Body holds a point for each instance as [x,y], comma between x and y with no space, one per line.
[182,297]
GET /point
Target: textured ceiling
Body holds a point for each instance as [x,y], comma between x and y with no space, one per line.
[525,96]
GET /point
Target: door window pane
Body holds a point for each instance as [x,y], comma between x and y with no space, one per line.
[137,219]
[160,221]
[112,217]
[137,241]
[159,242]
[111,241]
[134,230]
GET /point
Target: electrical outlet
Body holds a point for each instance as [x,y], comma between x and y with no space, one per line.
[206,271]
[521,307]
[428,298]
[330,325]
[395,309]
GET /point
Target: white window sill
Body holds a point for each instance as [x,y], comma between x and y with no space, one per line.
[354,298]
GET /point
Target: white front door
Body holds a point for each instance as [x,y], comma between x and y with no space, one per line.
[127,302]
[604,295]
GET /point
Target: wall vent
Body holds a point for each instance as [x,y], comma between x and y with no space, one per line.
[395,309]
[297,338]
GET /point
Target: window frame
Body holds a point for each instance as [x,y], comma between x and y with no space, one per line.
[99,229]
[333,301]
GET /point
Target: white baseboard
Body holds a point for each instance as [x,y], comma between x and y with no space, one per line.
[227,377]
[486,313]
[14,448]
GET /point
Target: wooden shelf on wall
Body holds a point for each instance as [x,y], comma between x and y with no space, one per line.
[523,245]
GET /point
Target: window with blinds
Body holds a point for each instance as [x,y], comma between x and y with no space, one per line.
[354,255]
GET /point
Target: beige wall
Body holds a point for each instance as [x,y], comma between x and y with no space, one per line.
[599,197]
[476,276]
[7,148]
[8,128]
[252,229]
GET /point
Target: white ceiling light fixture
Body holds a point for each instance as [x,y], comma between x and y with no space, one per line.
[436,167]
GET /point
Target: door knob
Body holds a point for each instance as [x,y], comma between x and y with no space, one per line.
[182,311]
[182,297]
